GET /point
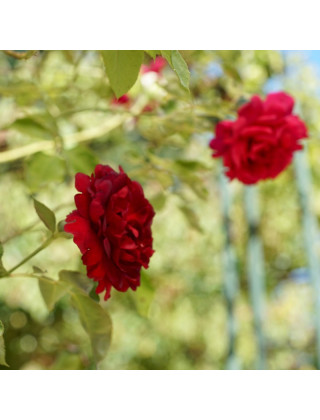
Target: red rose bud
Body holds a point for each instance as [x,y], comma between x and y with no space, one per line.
[112,228]
[156,65]
[123,100]
[260,143]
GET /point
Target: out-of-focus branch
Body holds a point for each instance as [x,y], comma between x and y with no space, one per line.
[69,141]
[35,252]
[20,55]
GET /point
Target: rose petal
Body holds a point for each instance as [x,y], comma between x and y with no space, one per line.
[82,182]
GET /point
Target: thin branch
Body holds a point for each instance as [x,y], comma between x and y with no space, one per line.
[20,55]
[69,141]
[35,252]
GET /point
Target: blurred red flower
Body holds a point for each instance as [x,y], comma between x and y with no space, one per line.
[260,143]
[155,65]
[123,100]
[112,228]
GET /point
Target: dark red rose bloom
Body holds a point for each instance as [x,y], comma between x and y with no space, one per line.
[156,65]
[260,143]
[112,228]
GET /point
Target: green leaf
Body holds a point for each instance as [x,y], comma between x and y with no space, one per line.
[192,217]
[31,128]
[81,159]
[2,347]
[52,291]
[77,279]
[191,165]
[179,66]
[42,169]
[122,68]
[21,55]
[96,322]
[167,55]
[153,53]
[46,215]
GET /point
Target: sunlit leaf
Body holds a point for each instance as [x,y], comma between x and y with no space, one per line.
[181,68]
[191,165]
[2,347]
[96,322]
[46,215]
[21,55]
[167,55]
[122,68]
[192,217]
[31,128]
[52,291]
[153,53]
[77,279]
[178,64]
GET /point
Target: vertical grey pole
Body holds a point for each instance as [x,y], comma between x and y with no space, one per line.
[310,230]
[255,271]
[231,281]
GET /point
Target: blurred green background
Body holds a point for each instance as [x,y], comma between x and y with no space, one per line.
[57,118]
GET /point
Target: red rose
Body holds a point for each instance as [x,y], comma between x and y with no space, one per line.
[112,228]
[260,143]
[156,65]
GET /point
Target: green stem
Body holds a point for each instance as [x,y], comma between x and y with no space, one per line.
[35,223]
[71,140]
[255,269]
[75,111]
[39,277]
[23,275]
[35,252]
